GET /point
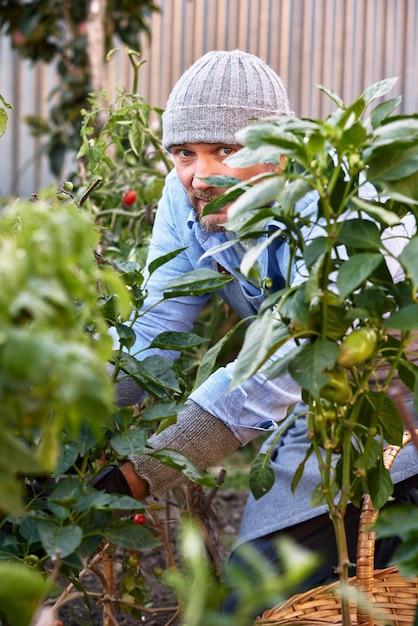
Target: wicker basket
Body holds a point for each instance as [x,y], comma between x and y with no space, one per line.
[379,597]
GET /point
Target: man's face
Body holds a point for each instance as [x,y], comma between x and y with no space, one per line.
[196,161]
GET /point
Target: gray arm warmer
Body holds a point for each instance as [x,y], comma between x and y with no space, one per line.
[200,436]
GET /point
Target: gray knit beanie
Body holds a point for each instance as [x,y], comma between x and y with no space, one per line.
[221,93]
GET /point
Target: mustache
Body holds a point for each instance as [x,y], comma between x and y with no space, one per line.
[206,196]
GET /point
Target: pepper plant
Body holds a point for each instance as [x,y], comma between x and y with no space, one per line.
[353,310]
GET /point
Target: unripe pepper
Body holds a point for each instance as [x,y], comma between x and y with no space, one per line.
[357,346]
[337,389]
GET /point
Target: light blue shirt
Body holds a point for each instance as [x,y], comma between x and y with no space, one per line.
[258,404]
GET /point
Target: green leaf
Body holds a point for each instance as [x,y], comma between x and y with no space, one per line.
[222,200]
[261,340]
[155,374]
[179,461]
[101,501]
[67,457]
[301,468]
[391,166]
[311,361]
[355,271]
[380,485]
[331,94]
[397,520]
[222,181]
[393,136]
[316,249]
[21,591]
[127,534]
[126,335]
[378,90]
[130,445]
[261,195]
[383,110]
[261,478]
[59,539]
[264,134]
[14,454]
[160,410]
[408,258]
[247,157]
[177,341]
[404,319]
[404,190]
[208,362]
[377,210]
[196,283]
[359,233]
[161,260]
[389,418]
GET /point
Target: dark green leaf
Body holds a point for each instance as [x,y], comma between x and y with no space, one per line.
[358,233]
[101,501]
[126,335]
[380,486]
[207,364]
[391,166]
[355,271]
[261,340]
[130,445]
[261,476]
[59,539]
[309,366]
[126,534]
[404,319]
[408,258]
[404,190]
[67,457]
[161,260]
[196,283]
[398,520]
[316,249]
[220,201]
[155,374]
[262,194]
[179,461]
[300,469]
[160,410]
[177,341]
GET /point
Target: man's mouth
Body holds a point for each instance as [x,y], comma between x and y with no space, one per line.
[199,201]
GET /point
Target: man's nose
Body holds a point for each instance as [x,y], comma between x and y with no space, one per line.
[203,169]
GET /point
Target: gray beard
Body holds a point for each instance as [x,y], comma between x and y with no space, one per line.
[208,228]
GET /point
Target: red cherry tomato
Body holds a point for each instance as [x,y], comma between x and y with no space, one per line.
[140,519]
[129,197]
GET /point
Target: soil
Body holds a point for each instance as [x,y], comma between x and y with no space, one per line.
[220,526]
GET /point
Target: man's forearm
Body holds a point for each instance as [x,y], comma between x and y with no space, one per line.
[200,436]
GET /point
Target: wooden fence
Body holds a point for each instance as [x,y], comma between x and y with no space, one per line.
[342,44]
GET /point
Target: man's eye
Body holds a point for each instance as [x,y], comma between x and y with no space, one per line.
[226,151]
[185,153]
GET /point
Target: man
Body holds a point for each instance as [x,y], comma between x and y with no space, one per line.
[217,96]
